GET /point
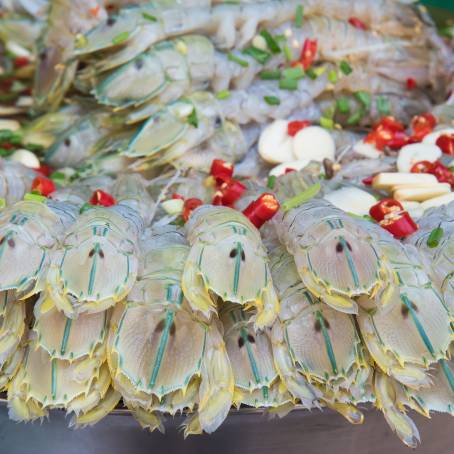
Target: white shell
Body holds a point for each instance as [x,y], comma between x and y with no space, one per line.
[411,154]
[275,145]
[352,200]
[314,143]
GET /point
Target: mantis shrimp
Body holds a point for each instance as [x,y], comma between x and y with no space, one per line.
[147,374]
[227,261]
[64,367]
[313,343]
[97,262]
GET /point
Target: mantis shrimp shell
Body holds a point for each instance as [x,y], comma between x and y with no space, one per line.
[30,229]
[257,382]
[227,260]
[413,331]
[336,256]
[12,332]
[153,330]
[15,181]
[314,341]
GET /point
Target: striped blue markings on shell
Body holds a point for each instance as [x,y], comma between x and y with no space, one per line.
[351,263]
[328,344]
[64,342]
[236,275]
[95,255]
[448,373]
[54,379]
[418,324]
[175,296]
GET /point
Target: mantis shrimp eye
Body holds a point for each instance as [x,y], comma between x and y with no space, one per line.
[340,246]
[233,253]
[240,342]
[111,21]
[251,339]
[67,142]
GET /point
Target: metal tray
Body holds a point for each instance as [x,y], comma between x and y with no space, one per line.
[244,432]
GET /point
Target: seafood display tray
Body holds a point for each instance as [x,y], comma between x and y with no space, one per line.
[244,431]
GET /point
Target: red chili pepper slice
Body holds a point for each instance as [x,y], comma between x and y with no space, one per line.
[442,173]
[99,197]
[399,140]
[390,123]
[261,210]
[221,170]
[44,170]
[8,146]
[400,226]
[446,143]
[189,206]
[368,180]
[289,170]
[43,185]
[294,127]
[231,191]
[411,83]
[422,125]
[308,52]
[357,23]
[383,208]
[177,196]
[19,62]
[422,167]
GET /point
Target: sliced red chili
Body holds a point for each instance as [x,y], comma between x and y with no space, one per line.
[389,123]
[357,23]
[261,210]
[177,196]
[368,180]
[221,170]
[294,127]
[231,191]
[442,173]
[411,83]
[189,206]
[21,61]
[385,207]
[422,125]
[44,170]
[102,198]
[446,143]
[43,185]
[400,226]
[422,167]
[308,52]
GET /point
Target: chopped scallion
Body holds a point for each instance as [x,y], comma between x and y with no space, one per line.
[287,53]
[435,237]
[272,44]
[120,38]
[223,94]
[301,198]
[327,123]
[299,12]
[271,182]
[345,67]
[383,106]
[259,55]
[343,105]
[364,98]
[355,118]
[288,84]
[332,76]
[272,74]
[293,73]
[192,118]
[272,100]
[149,17]
[238,60]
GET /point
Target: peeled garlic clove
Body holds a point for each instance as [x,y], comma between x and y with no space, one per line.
[438,201]
[411,154]
[387,180]
[314,144]
[11,125]
[173,206]
[275,145]
[367,150]
[26,158]
[352,200]
[282,168]
[433,136]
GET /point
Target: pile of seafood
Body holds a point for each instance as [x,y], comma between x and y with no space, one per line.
[208,205]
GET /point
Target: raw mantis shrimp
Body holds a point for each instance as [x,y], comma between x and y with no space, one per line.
[149,377]
[223,239]
[97,262]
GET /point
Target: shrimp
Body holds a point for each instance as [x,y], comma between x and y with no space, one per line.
[15,181]
[55,71]
[97,262]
